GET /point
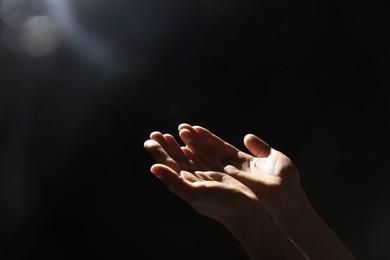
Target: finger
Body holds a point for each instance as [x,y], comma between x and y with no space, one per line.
[177,152]
[191,177]
[210,175]
[202,164]
[218,177]
[191,137]
[171,147]
[257,184]
[215,143]
[198,148]
[160,155]
[199,164]
[257,146]
[206,140]
[173,181]
[183,126]
[168,142]
[210,147]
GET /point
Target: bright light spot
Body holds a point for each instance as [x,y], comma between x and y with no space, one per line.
[118,86]
[14,12]
[40,36]
[92,47]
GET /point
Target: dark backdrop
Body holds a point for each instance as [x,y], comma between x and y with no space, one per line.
[83,83]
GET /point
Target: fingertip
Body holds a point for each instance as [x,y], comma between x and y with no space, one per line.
[150,144]
[229,169]
[155,171]
[201,129]
[251,137]
[183,126]
[154,133]
[158,170]
[183,173]
[153,168]
[184,130]
[167,135]
[257,146]
[248,136]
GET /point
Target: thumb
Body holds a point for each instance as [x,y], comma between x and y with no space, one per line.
[256,146]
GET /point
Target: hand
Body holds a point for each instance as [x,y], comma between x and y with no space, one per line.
[221,197]
[165,150]
[273,177]
[270,174]
[208,193]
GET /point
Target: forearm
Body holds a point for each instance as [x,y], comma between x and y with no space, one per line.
[263,239]
[299,220]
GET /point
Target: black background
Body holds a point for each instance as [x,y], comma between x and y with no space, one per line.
[309,77]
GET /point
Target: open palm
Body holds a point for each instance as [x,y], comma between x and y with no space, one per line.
[270,174]
[208,191]
[267,172]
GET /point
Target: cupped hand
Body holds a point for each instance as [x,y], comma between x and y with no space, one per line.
[270,174]
[211,193]
[165,149]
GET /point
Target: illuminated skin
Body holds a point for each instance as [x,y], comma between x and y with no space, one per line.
[223,198]
[269,174]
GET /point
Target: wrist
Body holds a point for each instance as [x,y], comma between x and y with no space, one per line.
[298,219]
[260,237]
[245,218]
[292,207]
